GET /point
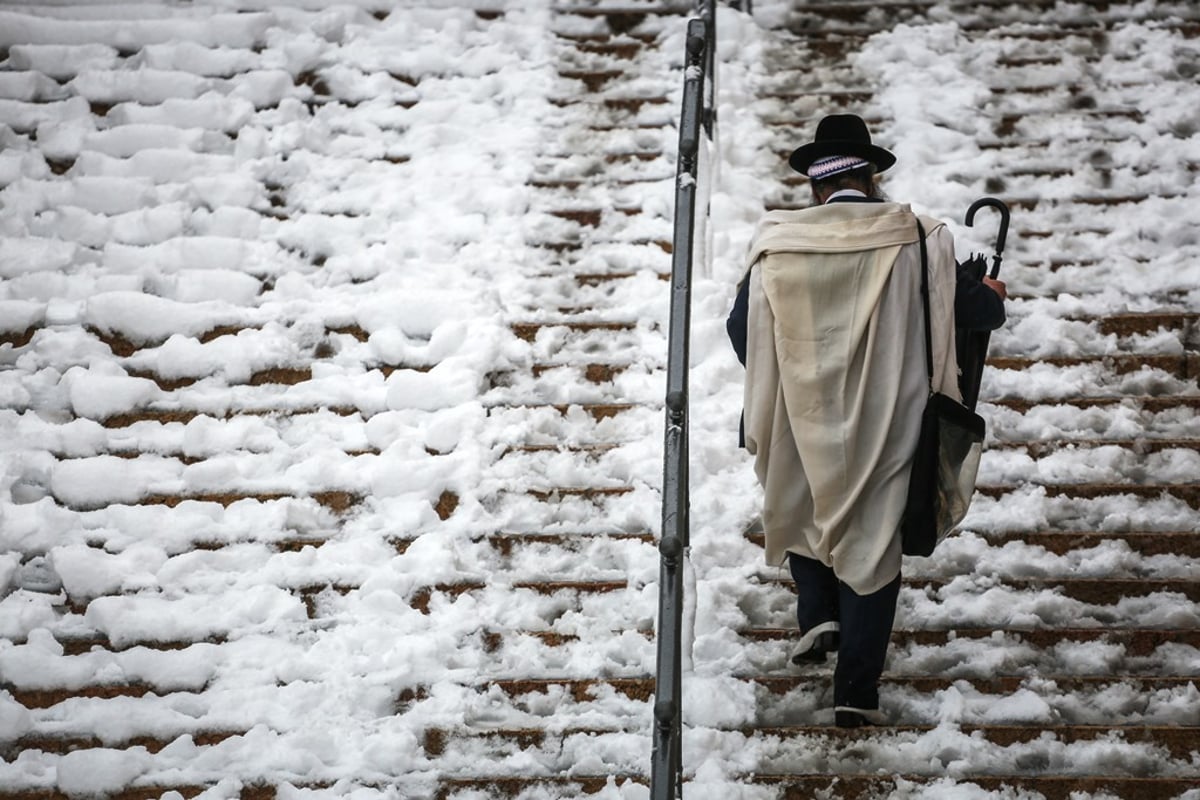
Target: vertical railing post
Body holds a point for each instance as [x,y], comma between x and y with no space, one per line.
[666,769]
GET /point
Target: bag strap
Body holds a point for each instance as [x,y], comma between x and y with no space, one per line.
[925,302]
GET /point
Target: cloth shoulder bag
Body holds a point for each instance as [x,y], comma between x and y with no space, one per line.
[947,458]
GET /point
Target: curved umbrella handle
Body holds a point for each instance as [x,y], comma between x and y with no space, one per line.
[1000,206]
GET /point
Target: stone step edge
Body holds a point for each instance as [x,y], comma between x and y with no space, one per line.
[1137,640]
[1120,324]
[1178,739]
[850,36]
[1092,591]
[1096,591]
[1185,543]
[1184,366]
[1048,787]
[1153,404]
[1150,403]
[1188,493]
[642,688]
[1141,445]
[839,785]
[585,449]
[63,744]
[598,410]
[794,787]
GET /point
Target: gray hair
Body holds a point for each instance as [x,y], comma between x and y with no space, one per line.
[862,179]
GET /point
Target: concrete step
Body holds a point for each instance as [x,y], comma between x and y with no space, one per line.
[585,690]
[1184,544]
[1050,787]
[1135,642]
[992,19]
[1150,404]
[1089,591]
[1188,493]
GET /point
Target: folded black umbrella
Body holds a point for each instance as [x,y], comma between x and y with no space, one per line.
[971,346]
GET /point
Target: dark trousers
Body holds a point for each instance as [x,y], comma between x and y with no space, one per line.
[865,623]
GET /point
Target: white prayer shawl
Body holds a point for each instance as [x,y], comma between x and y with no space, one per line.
[836,379]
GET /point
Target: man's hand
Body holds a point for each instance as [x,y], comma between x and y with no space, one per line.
[996,286]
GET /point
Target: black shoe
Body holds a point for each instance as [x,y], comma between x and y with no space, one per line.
[821,646]
[846,717]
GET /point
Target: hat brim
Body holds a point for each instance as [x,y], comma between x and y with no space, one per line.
[803,157]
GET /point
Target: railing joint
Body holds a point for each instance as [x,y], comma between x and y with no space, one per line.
[671,548]
[664,713]
[676,407]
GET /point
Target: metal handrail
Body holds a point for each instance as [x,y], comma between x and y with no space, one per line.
[708,15]
[666,769]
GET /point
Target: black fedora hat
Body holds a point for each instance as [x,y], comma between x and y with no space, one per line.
[841,135]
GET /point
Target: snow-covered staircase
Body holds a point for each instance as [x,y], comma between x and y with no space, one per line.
[331,383]
[1054,645]
[317,327]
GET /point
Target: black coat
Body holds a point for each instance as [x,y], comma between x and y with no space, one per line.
[976,308]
